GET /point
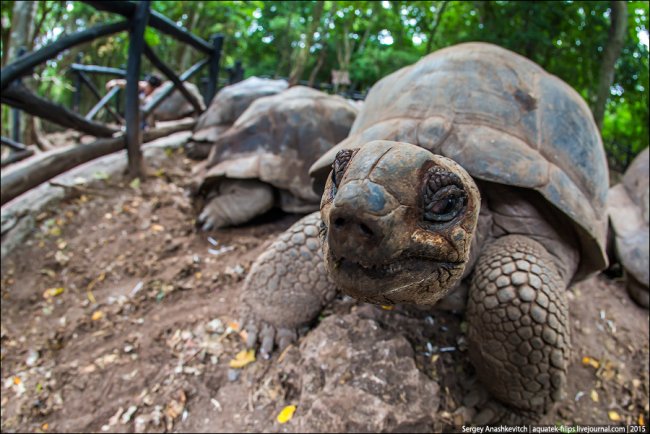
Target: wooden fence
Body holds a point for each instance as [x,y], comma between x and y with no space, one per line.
[137,16]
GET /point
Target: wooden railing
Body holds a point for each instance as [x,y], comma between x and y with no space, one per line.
[138,17]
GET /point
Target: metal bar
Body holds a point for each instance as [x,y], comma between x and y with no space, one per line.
[155,60]
[22,66]
[96,69]
[156,20]
[17,95]
[132,112]
[213,74]
[102,102]
[13,144]
[152,104]
[95,91]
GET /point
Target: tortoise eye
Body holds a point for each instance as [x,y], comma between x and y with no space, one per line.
[341,164]
[444,196]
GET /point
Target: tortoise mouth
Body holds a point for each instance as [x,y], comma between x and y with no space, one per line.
[409,266]
[385,282]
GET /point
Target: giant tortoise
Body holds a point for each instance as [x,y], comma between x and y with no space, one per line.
[472,159]
[227,105]
[175,106]
[263,159]
[627,205]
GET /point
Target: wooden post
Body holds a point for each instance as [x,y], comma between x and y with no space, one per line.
[239,72]
[213,74]
[132,109]
[15,112]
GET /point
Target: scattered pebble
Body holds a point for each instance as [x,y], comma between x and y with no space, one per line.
[233,374]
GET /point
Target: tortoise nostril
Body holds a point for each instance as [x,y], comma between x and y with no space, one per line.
[366,230]
[339,223]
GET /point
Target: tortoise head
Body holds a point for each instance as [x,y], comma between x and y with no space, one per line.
[398,222]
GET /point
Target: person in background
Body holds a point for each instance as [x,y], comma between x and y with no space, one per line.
[146,86]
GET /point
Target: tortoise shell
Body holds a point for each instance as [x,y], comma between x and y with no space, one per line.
[505,120]
[628,205]
[279,137]
[230,102]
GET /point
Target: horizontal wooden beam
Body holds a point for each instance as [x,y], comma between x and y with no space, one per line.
[178,84]
[18,96]
[156,20]
[24,176]
[96,69]
[25,63]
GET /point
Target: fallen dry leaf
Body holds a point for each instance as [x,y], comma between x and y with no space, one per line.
[97,315]
[53,292]
[286,414]
[243,358]
[613,416]
[586,360]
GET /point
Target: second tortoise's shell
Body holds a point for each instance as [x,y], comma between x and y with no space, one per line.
[505,120]
[279,137]
[628,206]
[175,106]
[230,102]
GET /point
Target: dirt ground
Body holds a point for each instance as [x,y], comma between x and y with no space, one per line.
[118,316]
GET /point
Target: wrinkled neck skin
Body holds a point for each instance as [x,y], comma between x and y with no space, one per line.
[398,223]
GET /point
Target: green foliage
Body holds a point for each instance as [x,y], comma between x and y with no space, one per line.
[372,39]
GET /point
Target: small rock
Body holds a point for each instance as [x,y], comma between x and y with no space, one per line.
[233,374]
[32,357]
[215,326]
[126,417]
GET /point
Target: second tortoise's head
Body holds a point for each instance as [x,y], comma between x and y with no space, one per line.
[398,222]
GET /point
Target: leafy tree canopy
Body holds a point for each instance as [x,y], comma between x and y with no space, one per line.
[372,39]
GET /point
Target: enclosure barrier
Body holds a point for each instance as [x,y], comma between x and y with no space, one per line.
[138,17]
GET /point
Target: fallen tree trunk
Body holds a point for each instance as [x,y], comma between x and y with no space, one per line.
[27,175]
[16,156]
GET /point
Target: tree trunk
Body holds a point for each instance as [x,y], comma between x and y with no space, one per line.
[319,65]
[23,24]
[301,59]
[22,27]
[192,24]
[434,27]
[22,177]
[285,55]
[617,31]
